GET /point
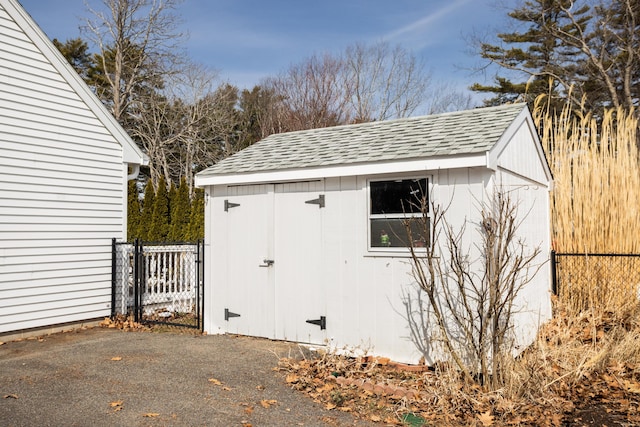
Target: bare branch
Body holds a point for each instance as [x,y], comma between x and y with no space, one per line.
[473,308]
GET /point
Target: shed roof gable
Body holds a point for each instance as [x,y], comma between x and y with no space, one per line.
[458,133]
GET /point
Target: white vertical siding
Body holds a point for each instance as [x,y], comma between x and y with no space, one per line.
[533,305]
[61,193]
[521,156]
[524,175]
[372,301]
[343,240]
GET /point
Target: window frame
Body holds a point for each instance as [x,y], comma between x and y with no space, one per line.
[400,250]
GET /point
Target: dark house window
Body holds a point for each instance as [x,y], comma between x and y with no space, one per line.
[392,204]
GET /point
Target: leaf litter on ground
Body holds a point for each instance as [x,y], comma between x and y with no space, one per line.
[566,375]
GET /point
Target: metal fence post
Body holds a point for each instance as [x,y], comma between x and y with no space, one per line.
[142,281]
[200,283]
[136,280]
[113,277]
[197,289]
[554,274]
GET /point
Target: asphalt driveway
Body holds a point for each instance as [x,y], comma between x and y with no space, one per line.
[107,377]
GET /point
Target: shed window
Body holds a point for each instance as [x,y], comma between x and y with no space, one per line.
[392,204]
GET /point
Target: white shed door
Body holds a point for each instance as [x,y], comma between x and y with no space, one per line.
[300,306]
[249,293]
[274,273]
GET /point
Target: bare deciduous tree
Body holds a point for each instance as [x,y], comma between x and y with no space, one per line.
[472,307]
[137,42]
[177,127]
[259,108]
[311,94]
[383,82]
[364,83]
[443,98]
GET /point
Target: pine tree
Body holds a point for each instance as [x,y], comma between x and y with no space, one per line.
[172,193]
[584,51]
[147,211]
[159,229]
[535,52]
[196,219]
[76,51]
[133,211]
[180,212]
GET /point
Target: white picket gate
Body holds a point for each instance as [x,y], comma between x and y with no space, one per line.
[157,281]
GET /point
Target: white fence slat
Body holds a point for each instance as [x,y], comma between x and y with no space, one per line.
[170,278]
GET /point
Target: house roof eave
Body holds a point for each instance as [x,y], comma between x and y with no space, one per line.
[131,153]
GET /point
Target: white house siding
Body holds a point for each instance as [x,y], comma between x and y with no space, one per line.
[61,193]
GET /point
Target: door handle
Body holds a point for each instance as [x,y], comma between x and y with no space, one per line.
[267,263]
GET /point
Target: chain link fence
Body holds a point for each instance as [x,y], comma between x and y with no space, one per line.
[161,283]
[603,282]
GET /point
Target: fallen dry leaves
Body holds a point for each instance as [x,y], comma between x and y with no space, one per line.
[486,418]
[215,381]
[126,323]
[267,403]
[116,405]
[586,368]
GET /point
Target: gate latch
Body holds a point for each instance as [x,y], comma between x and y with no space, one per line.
[322,322]
[266,263]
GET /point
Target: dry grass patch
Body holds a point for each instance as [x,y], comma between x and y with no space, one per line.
[582,367]
[594,202]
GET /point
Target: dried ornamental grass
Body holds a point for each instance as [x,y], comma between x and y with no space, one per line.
[594,201]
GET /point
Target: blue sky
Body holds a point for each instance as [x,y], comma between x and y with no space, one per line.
[247,40]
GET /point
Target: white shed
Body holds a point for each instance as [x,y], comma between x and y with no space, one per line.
[64,164]
[293,224]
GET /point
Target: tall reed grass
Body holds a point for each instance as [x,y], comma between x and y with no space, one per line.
[595,199]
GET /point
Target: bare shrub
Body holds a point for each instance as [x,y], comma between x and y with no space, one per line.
[472,301]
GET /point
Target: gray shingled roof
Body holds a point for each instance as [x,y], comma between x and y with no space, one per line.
[464,132]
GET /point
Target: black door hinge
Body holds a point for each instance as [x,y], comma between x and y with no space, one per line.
[228,205]
[322,322]
[228,314]
[319,201]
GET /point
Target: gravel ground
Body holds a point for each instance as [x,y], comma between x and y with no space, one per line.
[106,377]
